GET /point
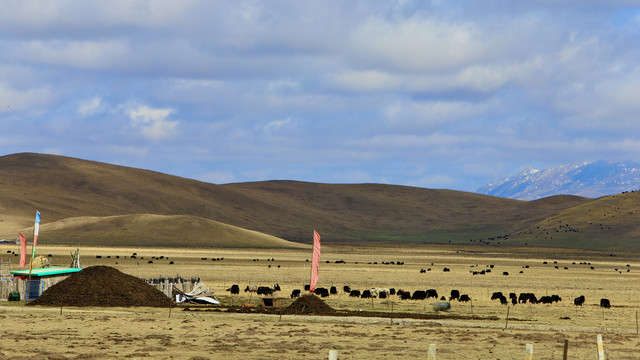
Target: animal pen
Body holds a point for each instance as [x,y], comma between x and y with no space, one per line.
[166,284]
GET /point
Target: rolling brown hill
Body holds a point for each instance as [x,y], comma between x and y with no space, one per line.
[110,199]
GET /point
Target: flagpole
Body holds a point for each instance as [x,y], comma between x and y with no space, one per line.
[36,230]
[315,261]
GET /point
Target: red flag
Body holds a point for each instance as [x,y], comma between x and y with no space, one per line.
[315,261]
[23,250]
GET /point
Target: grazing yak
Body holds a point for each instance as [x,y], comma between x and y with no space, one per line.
[527,297]
[295,293]
[546,299]
[366,294]
[354,293]
[455,295]
[498,296]
[404,295]
[264,290]
[432,293]
[579,300]
[347,288]
[464,298]
[419,295]
[605,303]
[234,289]
[323,292]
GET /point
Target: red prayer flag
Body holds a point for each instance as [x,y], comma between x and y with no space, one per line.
[315,261]
[23,250]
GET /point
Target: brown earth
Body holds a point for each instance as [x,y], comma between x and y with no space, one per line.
[85,202]
[102,286]
[309,304]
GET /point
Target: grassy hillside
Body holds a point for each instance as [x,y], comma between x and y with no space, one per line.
[111,200]
[611,222]
[156,230]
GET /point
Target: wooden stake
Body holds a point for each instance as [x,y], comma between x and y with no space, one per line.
[506,320]
[566,349]
[333,354]
[528,352]
[431,355]
[600,348]
[636,321]
[392,313]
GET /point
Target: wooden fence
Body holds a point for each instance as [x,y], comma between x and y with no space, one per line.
[166,284]
[528,352]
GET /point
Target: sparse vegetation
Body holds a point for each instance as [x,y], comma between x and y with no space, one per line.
[84,202]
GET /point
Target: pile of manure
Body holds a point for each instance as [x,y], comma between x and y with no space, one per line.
[308,305]
[102,286]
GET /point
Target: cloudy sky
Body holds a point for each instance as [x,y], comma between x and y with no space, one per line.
[437,94]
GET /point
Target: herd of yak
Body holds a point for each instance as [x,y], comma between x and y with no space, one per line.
[380,293]
[523,298]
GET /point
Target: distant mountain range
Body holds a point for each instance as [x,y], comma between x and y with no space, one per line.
[588,179]
[90,203]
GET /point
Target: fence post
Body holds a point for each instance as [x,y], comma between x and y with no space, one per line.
[431,355]
[333,354]
[566,349]
[600,348]
[528,353]
[506,320]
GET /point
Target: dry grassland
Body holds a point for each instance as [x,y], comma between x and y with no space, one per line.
[158,333]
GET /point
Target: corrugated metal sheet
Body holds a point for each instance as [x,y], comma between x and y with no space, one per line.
[50,271]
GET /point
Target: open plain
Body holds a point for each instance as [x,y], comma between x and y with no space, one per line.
[478,329]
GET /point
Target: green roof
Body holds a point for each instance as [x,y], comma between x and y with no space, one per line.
[50,271]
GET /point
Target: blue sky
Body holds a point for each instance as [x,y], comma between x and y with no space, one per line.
[436,94]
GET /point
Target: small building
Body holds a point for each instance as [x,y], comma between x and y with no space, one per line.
[41,280]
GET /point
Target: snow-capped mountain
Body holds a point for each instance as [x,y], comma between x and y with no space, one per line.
[588,179]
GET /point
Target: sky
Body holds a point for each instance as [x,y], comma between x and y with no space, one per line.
[436,94]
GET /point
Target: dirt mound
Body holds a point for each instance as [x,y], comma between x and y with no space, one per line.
[102,286]
[308,304]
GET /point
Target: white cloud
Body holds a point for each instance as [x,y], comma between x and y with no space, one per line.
[152,122]
[367,81]
[90,106]
[431,115]
[276,124]
[12,99]
[416,44]
[40,15]
[85,54]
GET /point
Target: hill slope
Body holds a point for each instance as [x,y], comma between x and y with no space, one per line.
[611,222]
[156,230]
[93,198]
